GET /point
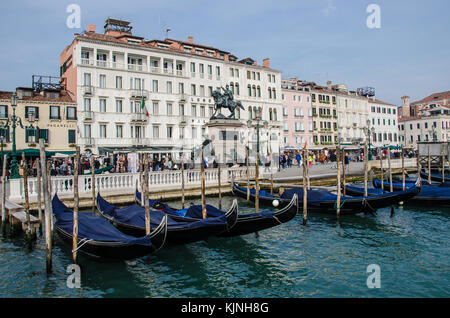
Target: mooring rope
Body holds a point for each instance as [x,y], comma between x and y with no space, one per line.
[83,241]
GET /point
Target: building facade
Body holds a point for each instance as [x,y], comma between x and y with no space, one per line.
[112,75]
[427,119]
[298,124]
[55,119]
[383,123]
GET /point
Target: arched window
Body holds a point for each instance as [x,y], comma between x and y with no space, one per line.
[275,115]
[274,94]
[259,91]
[254,90]
[236,85]
[270,114]
[232,87]
[270,93]
[249,87]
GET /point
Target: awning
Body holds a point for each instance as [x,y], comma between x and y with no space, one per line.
[30,152]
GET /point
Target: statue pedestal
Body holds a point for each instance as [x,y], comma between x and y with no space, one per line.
[229,138]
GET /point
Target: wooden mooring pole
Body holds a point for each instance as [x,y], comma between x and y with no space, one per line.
[219,174]
[248,176]
[365,168]
[47,204]
[76,203]
[28,234]
[146,196]
[390,170]
[257,183]
[4,216]
[39,194]
[305,185]
[141,178]
[443,167]
[93,183]
[338,173]
[343,172]
[429,165]
[403,169]
[382,171]
[182,182]
[204,213]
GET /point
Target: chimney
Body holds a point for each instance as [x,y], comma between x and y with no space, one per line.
[91,28]
[406,107]
[266,63]
[190,39]
[329,84]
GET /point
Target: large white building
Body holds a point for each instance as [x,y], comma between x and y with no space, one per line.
[383,119]
[110,73]
[427,119]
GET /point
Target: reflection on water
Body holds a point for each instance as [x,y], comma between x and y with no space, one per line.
[326,258]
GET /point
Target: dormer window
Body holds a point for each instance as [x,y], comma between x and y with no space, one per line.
[198,51]
[187,49]
[163,46]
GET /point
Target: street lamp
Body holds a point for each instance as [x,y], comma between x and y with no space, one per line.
[14,121]
[259,123]
[369,131]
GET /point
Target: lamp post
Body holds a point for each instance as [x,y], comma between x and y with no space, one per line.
[259,123]
[14,121]
[369,131]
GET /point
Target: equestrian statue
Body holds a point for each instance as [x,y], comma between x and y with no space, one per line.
[225,100]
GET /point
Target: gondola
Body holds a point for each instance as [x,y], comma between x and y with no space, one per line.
[265,198]
[131,220]
[434,176]
[323,201]
[99,239]
[246,223]
[429,194]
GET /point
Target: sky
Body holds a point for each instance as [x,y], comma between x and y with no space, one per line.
[314,40]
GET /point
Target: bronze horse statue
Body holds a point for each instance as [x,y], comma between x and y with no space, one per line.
[221,101]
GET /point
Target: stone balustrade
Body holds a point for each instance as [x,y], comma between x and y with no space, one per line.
[125,183]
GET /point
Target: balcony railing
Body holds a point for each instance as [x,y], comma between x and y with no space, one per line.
[88,141]
[138,117]
[139,93]
[102,63]
[88,90]
[139,142]
[88,115]
[135,67]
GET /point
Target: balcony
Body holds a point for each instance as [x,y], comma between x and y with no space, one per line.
[88,115]
[135,67]
[168,71]
[138,142]
[100,63]
[183,120]
[184,97]
[88,141]
[138,117]
[88,90]
[87,62]
[139,93]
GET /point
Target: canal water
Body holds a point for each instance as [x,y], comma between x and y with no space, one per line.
[326,258]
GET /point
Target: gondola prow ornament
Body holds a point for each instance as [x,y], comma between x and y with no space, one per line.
[225,100]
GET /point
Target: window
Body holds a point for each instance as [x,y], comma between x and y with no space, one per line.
[32,109]
[102,105]
[71,113]
[87,104]
[71,136]
[193,90]
[194,111]
[181,110]
[119,82]
[249,75]
[202,111]
[181,88]
[87,131]
[102,81]
[3,111]
[155,131]
[169,132]
[54,112]
[30,134]
[119,131]
[43,134]
[155,85]
[87,79]
[102,131]
[181,129]
[169,109]
[119,106]
[194,132]
[202,90]
[169,87]
[155,108]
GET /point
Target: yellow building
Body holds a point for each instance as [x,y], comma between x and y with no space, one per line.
[50,114]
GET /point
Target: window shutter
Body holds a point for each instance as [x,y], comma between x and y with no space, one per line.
[43,133]
[71,136]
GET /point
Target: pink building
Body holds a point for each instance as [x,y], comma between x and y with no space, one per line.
[297,114]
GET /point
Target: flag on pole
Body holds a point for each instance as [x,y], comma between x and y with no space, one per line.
[143,106]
